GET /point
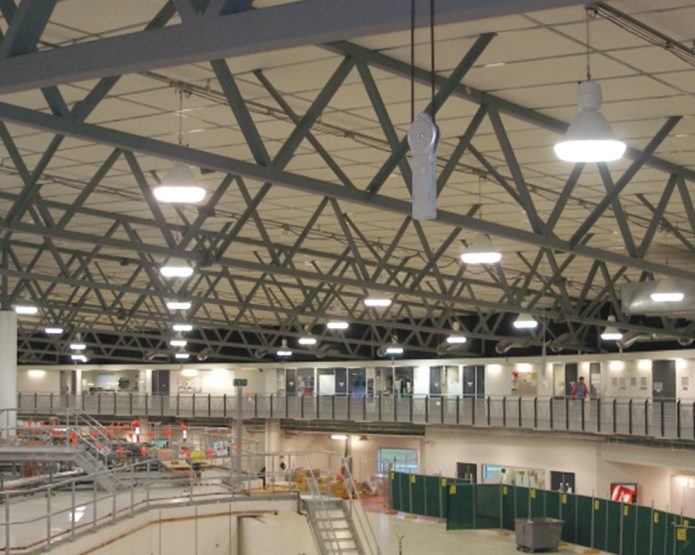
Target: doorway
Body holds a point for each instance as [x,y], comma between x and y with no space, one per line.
[468,472]
[160,382]
[474,381]
[664,379]
[562,481]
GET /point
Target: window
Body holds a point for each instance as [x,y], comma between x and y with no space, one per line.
[401,460]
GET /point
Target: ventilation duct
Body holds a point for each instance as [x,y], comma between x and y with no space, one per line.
[636,298]
[506,346]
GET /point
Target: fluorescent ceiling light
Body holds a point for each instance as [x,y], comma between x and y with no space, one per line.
[54,331]
[589,138]
[666,291]
[480,251]
[77,346]
[179,187]
[377,302]
[337,325]
[525,321]
[339,437]
[307,341]
[176,271]
[456,339]
[182,327]
[178,342]
[182,356]
[79,358]
[394,350]
[26,309]
[283,353]
[178,305]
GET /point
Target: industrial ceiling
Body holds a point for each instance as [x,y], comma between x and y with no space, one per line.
[294,116]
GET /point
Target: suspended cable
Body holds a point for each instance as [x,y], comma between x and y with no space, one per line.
[434,107]
[412,60]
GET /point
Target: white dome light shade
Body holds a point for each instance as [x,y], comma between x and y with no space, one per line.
[456,339]
[77,346]
[54,331]
[176,270]
[394,350]
[480,251]
[26,309]
[182,327]
[178,342]
[308,341]
[79,358]
[182,356]
[337,325]
[377,302]
[179,187]
[590,138]
[667,291]
[178,305]
[284,352]
[611,333]
[525,321]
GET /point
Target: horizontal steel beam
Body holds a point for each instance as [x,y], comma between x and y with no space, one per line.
[179,153]
[301,23]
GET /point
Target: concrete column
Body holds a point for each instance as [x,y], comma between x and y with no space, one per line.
[273,443]
[8,367]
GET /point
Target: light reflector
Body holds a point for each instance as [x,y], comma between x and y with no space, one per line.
[480,251]
[178,342]
[176,271]
[178,305]
[307,341]
[182,327]
[54,331]
[525,321]
[337,325]
[182,356]
[456,339]
[377,302]
[26,309]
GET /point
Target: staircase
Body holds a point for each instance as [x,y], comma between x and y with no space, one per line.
[332,525]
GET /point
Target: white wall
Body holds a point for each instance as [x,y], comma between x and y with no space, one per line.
[38,381]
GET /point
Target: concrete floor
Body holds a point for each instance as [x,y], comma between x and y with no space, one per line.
[430,537]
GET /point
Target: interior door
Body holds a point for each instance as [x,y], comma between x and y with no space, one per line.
[467,472]
[480,381]
[571,373]
[160,382]
[340,381]
[664,379]
[358,381]
[436,380]
[594,379]
[469,379]
[291,381]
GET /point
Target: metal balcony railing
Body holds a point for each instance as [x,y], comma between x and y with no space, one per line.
[655,418]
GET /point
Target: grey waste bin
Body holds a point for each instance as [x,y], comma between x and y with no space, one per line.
[538,534]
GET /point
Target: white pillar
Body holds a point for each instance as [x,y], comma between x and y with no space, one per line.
[273,443]
[8,368]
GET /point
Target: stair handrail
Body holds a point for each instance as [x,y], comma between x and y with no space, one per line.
[316,494]
[353,493]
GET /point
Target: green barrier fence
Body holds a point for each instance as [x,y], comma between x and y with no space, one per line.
[606,525]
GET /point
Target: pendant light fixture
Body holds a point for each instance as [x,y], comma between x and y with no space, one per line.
[337,325]
[377,300]
[589,138]
[26,309]
[480,250]
[524,321]
[666,291]
[176,269]
[284,351]
[611,333]
[180,185]
[456,338]
[54,331]
[307,340]
[182,328]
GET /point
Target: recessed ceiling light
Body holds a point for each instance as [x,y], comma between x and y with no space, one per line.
[54,331]
[26,309]
[182,327]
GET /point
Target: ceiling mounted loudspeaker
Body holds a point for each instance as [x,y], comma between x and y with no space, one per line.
[589,138]
[423,138]
[179,187]
[480,251]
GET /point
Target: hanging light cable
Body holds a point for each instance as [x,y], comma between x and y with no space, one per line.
[589,138]
[180,185]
